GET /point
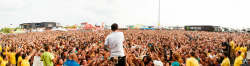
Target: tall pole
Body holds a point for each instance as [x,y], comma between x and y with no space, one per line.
[159,16]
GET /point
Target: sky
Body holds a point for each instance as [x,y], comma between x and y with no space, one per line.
[224,13]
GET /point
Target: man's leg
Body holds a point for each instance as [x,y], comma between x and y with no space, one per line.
[232,58]
[122,61]
[13,64]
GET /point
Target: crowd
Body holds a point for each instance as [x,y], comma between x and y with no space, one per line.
[141,48]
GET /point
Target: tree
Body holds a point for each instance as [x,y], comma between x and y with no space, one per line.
[1,30]
[17,28]
[72,26]
[7,30]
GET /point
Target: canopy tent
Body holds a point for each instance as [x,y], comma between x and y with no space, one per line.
[19,31]
[40,30]
[88,26]
[147,28]
[138,26]
[122,27]
[130,26]
[59,29]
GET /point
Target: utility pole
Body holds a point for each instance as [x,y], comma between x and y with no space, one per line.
[159,16]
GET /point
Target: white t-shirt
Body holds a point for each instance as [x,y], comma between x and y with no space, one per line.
[115,43]
[37,61]
[211,56]
[157,63]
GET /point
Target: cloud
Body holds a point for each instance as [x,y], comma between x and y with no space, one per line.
[173,12]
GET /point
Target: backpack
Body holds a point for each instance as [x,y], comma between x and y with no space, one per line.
[245,61]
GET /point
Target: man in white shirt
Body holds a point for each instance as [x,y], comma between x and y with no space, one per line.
[115,43]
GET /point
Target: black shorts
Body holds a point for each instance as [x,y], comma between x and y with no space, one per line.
[121,61]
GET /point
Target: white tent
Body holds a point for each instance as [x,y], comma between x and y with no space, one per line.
[40,30]
[58,29]
[122,27]
[37,30]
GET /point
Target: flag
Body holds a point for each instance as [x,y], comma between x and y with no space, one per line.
[75,26]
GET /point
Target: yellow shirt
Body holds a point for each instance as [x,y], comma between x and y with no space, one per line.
[7,48]
[19,61]
[238,61]
[12,58]
[1,59]
[242,55]
[3,63]
[232,44]
[245,49]
[225,62]
[25,63]
[192,62]
[4,53]
[237,49]
[0,48]
[242,49]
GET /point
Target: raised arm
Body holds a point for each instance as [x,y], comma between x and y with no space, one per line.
[143,53]
[6,52]
[31,54]
[106,48]
[18,50]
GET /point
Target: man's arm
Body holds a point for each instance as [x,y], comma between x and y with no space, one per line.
[6,53]
[42,58]
[18,50]
[202,62]
[54,59]
[31,54]
[106,48]
[106,45]
[142,53]
[224,47]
